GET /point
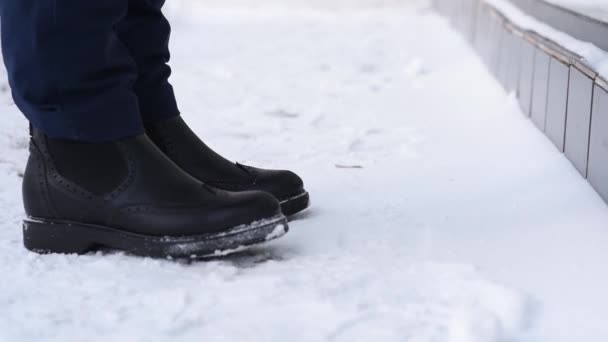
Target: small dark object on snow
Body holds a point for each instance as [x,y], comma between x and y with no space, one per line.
[348,166]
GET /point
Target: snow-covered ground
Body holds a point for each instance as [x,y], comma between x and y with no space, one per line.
[440,213]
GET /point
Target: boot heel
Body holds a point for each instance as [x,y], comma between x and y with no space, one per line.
[45,237]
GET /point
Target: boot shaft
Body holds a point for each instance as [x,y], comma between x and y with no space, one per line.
[66,178]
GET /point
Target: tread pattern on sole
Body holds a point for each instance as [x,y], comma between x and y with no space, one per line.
[295,204]
[43,236]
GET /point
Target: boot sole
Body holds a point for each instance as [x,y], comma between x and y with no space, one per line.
[63,237]
[295,204]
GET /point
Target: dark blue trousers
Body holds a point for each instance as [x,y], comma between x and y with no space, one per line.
[89,70]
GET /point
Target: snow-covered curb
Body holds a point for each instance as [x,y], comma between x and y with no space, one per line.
[591,55]
[560,81]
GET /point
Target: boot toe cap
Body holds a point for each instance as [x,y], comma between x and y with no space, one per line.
[280,183]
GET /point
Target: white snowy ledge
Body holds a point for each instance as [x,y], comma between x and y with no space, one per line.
[560,80]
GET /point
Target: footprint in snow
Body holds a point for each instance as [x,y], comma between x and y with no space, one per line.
[416,68]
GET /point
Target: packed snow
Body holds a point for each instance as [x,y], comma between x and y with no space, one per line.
[440,213]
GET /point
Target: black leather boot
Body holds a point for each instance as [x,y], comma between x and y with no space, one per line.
[129,196]
[181,145]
